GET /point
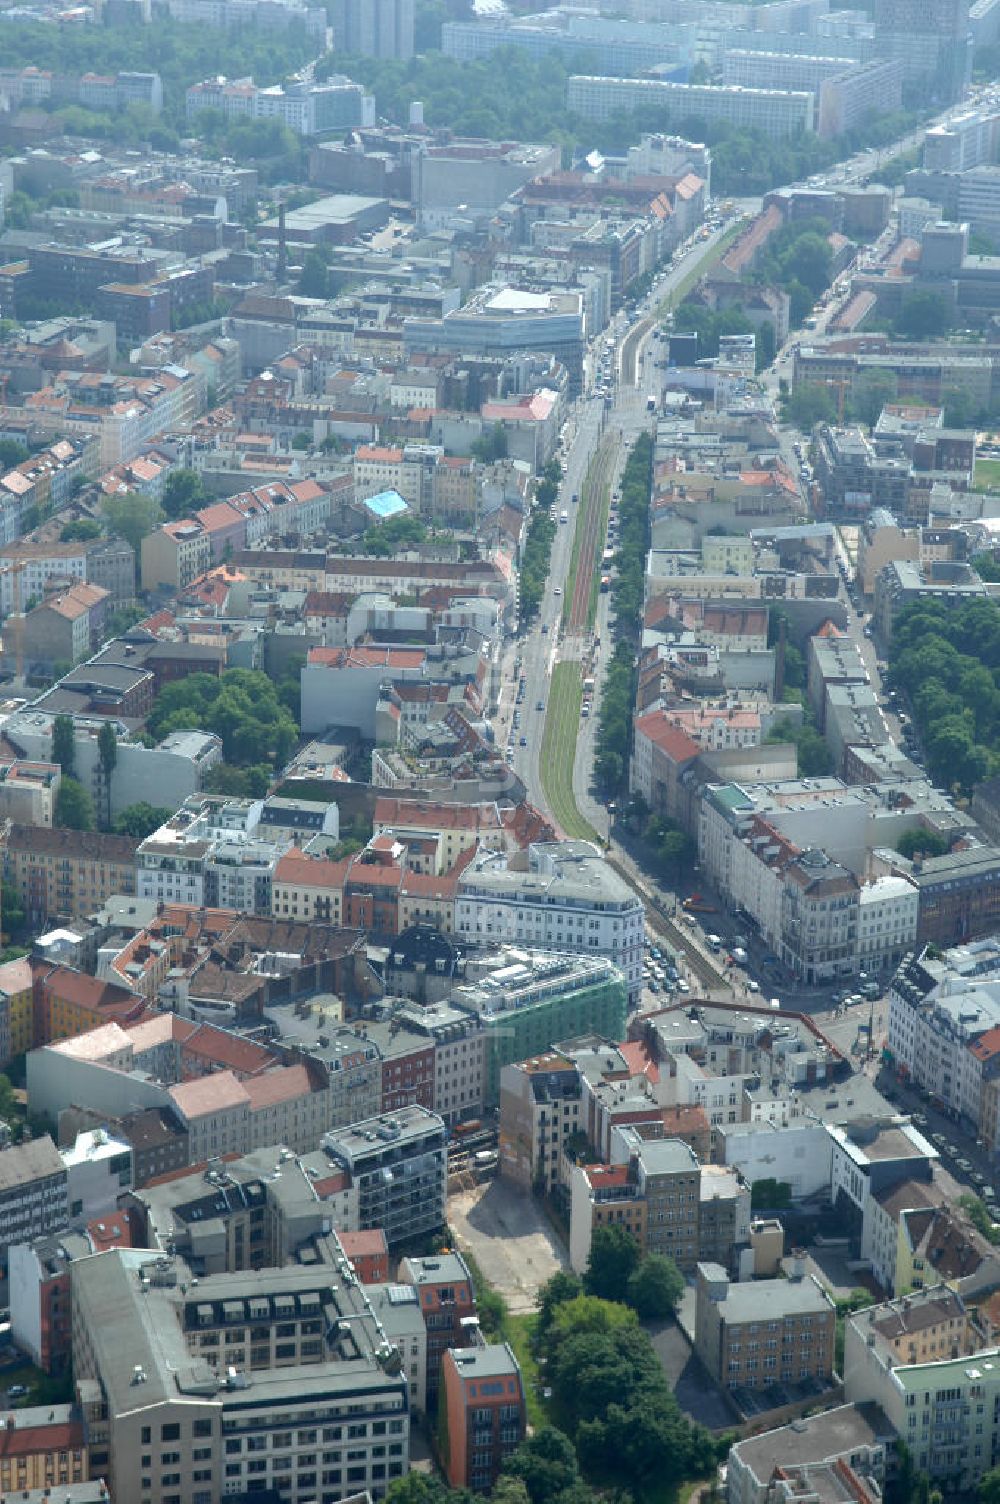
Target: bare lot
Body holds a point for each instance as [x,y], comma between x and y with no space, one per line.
[510,1239]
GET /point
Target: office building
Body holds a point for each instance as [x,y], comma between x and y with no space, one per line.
[963,142]
[567,899]
[397,1171]
[763,1332]
[281,1379]
[933,41]
[500,320]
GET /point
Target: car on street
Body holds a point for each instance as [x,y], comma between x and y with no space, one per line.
[524,741]
[683,986]
[540,705]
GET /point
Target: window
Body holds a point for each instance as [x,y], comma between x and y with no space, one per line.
[171,1431]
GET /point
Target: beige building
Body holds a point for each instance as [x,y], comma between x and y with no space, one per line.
[541,1103]
[66,874]
[225,1115]
[194,1389]
[41,1447]
[882,541]
[308,888]
[28,791]
[175,554]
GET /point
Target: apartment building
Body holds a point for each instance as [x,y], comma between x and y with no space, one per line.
[567,899]
[213,852]
[447,1306]
[234,1382]
[933,1373]
[652,1189]
[42,1447]
[66,874]
[484,1405]
[16,1008]
[776,112]
[762,1332]
[944,1014]
[541,1108]
[34,1196]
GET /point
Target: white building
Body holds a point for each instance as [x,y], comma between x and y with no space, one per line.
[98,1170]
[887,922]
[569,899]
[776,112]
[798,1154]
[214,851]
[938,1012]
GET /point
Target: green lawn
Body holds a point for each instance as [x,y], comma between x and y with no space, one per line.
[519,1330]
[987,475]
[562,723]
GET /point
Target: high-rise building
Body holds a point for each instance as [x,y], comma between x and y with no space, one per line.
[373,28]
[932,40]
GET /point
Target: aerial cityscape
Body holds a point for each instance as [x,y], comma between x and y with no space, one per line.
[499,752]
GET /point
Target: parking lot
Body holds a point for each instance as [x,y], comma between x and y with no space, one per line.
[507,1233]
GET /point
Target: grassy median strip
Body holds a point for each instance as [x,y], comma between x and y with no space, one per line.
[562,724]
[604,504]
[701,266]
[596,492]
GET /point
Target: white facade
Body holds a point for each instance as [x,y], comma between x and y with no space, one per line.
[930,1035]
[799,1154]
[887,922]
[568,900]
[99,1170]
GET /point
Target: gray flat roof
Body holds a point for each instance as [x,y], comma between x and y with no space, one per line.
[816,1439]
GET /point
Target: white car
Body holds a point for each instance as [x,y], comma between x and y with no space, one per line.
[682,985]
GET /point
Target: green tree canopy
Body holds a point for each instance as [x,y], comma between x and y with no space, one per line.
[74,806]
[80,531]
[810,404]
[546,1465]
[132,516]
[655,1287]
[183,492]
[394,535]
[241,706]
[64,744]
[614,1257]
[923,315]
[926,841]
[140,820]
